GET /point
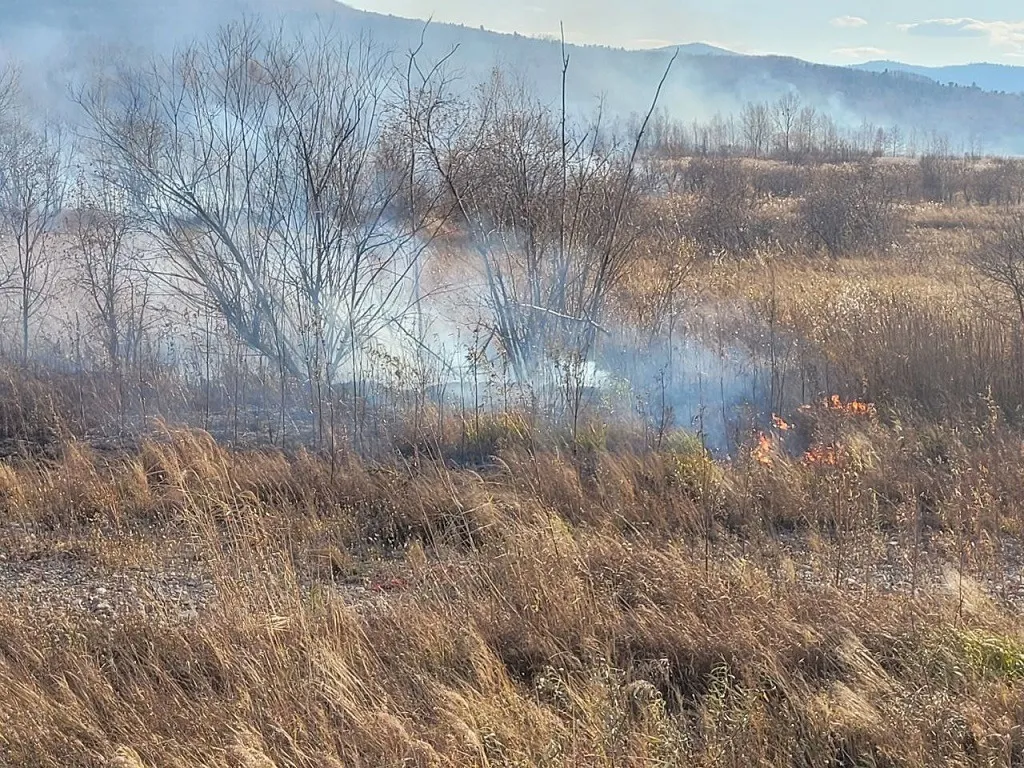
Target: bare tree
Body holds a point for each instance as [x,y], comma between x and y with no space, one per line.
[723,134]
[33,182]
[108,273]
[548,206]
[255,161]
[785,114]
[756,121]
[895,140]
[108,265]
[8,89]
[806,131]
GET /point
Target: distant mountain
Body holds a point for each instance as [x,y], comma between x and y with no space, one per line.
[55,37]
[988,77]
[700,49]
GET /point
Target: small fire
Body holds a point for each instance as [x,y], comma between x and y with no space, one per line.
[835,403]
[781,424]
[822,455]
[762,452]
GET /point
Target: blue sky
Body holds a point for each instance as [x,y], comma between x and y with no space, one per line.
[916,31]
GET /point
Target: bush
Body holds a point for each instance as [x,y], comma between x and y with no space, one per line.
[851,209]
[778,180]
[722,220]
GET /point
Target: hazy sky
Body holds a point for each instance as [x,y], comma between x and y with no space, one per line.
[833,31]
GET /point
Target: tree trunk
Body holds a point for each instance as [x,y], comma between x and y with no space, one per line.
[24,323]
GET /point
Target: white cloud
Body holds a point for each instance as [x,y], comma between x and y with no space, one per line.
[1004,34]
[946,28]
[860,52]
[847,22]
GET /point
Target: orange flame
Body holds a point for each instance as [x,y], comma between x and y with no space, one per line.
[859,407]
[762,452]
[822,455]
[780,424]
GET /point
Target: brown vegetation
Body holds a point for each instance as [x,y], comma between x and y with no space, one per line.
[664,608]
[254,529]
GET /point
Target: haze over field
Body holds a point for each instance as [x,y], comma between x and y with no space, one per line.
[56,40]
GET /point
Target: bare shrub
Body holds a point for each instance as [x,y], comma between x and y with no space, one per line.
[722,219]
[549,206]
[996,182]
[999,258]
[851,209]
[940,177]
[779,180]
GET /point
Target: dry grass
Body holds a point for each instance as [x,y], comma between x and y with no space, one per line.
[916,328]
[664,609]
[843,590]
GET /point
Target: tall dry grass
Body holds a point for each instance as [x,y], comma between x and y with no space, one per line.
[663,609]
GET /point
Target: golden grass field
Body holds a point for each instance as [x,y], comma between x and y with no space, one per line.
[194,606]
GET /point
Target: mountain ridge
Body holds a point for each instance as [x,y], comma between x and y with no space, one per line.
[705,80]
[988,76]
